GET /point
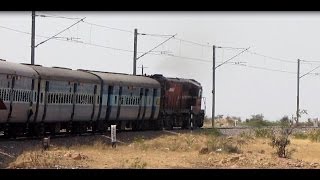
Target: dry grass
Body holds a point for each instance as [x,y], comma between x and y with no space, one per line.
[173,151]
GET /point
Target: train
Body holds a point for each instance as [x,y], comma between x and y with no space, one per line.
[37,100]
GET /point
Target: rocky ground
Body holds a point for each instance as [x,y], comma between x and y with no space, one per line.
[160,149]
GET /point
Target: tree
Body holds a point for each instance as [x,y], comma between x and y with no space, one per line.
[301,111]
[257,117]
[285,121]
[281,140]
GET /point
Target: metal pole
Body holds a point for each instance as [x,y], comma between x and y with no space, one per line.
[213,85]
[298,87]
[142,69]
[135,51]
[33,29]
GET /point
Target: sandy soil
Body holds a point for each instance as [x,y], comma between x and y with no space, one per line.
[179,149]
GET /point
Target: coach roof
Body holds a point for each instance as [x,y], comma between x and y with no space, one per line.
[65,74]
[127,80]
[16,69]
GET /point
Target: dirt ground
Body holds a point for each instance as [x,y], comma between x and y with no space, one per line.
[162,149]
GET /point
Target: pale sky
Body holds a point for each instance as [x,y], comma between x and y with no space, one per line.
[240,90]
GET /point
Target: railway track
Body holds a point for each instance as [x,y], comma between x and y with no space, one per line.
[175,131]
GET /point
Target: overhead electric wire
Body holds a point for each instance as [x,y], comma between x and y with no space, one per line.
[191,42]
[86,22]
[231,58]
[267,69]
[309,71]
[24,32]
[56,38]
[118,29]
[171,55]
[60,32]
[309,61]
[155,47]
[158,35]
[207,45]
[126,50]
[15,30]
[53,16]
[273,58]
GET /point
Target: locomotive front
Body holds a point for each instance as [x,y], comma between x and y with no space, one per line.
[180,102]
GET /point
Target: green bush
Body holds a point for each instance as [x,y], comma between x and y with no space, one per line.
[263,133]
[314,135]
[281,143]
[246,135]
[212,132]
[300,135]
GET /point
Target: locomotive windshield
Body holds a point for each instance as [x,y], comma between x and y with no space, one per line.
[200,93]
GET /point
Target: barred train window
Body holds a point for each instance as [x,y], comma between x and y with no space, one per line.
[34,96]
[77,98]
[7,94]
[49,98]
[115,99]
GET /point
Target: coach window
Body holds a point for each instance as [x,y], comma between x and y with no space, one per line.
[16,95]
[52,98]
[41,97]
[7,94]
[19,95]
[49,98]
[23,96]
[68,98]
[61,98]
[115,100]
[71,98]
[55,98]
[77,98]
[80,99]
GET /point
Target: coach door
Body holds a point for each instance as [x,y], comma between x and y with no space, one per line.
[5,89]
